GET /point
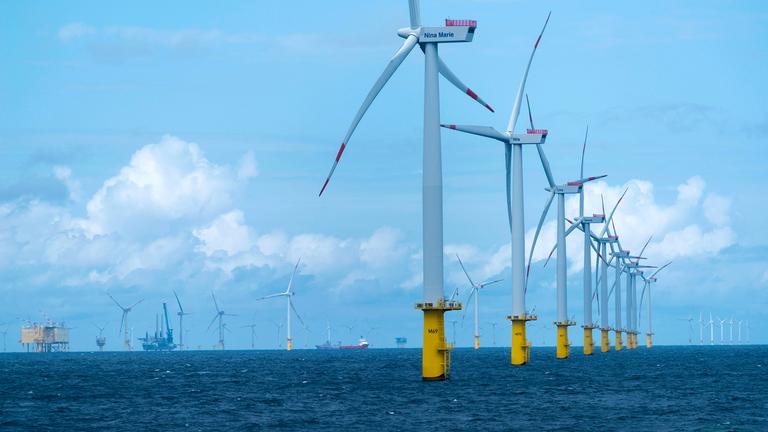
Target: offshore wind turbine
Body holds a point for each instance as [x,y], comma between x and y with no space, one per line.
[476,293]
[647,284]
[690,328]
[181,315]
[722,337]
[124,322]
[288,293]
[739,340]
[513,147]
[701,330]
[711,330]
[220,314]
[562,323]
[434,351]
[730,325]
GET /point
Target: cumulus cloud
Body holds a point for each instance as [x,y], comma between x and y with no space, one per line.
[166,183]
[248,167]
[638,217]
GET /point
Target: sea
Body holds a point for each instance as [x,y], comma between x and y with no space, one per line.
[666,388]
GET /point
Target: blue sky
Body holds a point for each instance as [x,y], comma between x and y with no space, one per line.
[150,147]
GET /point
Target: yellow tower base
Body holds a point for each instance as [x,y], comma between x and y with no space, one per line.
[563,344]
[521,348]
[648,341]
[632,341]
[589,344]
[619,344]
[436,352]
[477,342]
[288,344]
[605,343]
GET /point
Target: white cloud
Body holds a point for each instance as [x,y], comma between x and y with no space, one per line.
[637,218]
[169,182]
[717,209]
[64,174]
[74,31]
[227,233]
[382,248]
[248,167]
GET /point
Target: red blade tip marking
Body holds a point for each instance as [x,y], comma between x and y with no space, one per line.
[489,108]
[471,94]
[324,185]
[536,45]
[341,150]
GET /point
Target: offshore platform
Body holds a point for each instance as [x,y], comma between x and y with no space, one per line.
[45,337]
[162,340]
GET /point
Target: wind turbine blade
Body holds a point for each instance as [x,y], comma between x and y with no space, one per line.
[272,296]
[113,299]
[485,284]
[602,201]
[215,303]
[471,294]
[471,282]
[394,63]
[290,281]
[610,218]
[645,246]
[540,150]
[660,269]
[483,131]
[583,180]
[179,302]
[536,236]
[450,76]
[212,321]
[583,150]
[131,307]
[521,89]
[293,308]
[415,13]
[122,320]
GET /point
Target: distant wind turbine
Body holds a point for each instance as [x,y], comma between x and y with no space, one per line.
[476,293]
[124,322]
[181,315]
[288,293]
[220,314]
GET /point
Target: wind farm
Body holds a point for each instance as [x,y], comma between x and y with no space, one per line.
[184,169]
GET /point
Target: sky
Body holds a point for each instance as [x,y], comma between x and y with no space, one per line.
[148,147]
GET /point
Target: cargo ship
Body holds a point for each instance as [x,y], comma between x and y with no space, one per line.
[162,340]
[362,343]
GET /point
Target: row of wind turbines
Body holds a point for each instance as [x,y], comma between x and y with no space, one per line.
[435,349]
[218,318]
[711,324]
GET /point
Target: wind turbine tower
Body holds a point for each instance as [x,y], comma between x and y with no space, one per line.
[435,351]
[127,336]
[100,339]
[711,330]
[513,147]
[730,329]
[476,293]
[647,285]
[288,293]
[220,314]
[701,330]
[181,315]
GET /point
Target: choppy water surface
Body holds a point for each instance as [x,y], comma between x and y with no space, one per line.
[666,388]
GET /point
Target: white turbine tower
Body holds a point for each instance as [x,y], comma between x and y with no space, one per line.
[513,146]
[730,329]
[220,314]
[476,293]
[647,285]
[690,328]
[181,315]
[711,325]
[722,334]
[288,293]
[739,341]
[124,322]
[434,351]
[701,330]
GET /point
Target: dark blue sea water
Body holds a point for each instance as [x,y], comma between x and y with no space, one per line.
[665,388]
